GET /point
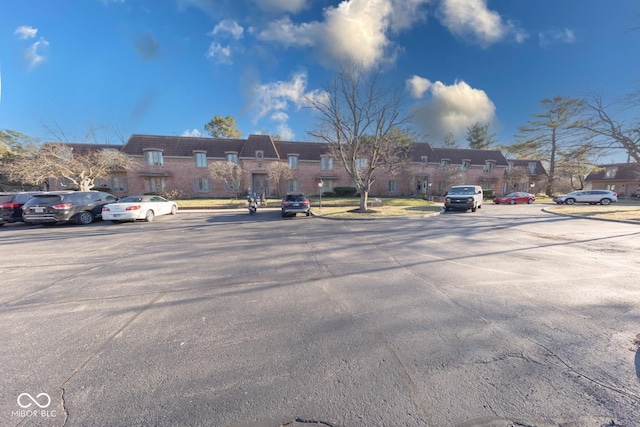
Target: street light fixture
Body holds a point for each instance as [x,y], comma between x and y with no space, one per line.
[320,184]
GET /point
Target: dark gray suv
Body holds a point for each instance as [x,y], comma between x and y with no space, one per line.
[295,203]
[80,207]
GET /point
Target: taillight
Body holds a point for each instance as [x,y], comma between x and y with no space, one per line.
[9,205]
[63,206]
[133,208]
[105,209]
[615,194]
[285,202]
[306,202]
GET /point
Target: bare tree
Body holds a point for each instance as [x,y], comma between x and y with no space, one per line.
[362,123]
[57,161]
[278,173]
[229,173]
[516,176]
[609,133]
[447,176]
[557,127]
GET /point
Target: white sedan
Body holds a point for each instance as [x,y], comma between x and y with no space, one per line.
[138,207]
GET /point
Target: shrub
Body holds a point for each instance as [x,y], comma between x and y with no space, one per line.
[345,191]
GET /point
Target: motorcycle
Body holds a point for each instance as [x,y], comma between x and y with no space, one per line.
[252,205]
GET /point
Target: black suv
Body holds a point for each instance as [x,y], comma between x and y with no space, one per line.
[11,205]
[80,207]
[295,203]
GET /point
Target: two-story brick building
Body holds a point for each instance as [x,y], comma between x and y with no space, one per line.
[166,163]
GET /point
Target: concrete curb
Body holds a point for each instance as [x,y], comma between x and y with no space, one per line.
[545,210]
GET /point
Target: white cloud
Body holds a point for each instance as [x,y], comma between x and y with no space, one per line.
[220,54]
[452,109]
[228,26]
[291,6]
[194,132]
[355,30]
[25,32]
[417,86]
[273,100]
[563,36]
[473,21]
[33,54]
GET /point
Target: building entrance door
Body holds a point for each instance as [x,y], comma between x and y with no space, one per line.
[260,184]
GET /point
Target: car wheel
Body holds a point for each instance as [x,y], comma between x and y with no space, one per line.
[174,210]
[605,201]
[473,209]
[308,213]
[512,202]
[84,218]
[530,201]
[149,216]
[570,201]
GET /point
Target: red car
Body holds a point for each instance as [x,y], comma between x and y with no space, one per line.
[513,198]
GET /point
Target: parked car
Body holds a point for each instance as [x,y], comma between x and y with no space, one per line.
[80,207]
[513,198]
[295,203]
[464,197]
[138,207]
[604,197]
[11,205]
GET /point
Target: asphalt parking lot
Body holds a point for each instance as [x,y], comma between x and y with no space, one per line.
[506,315]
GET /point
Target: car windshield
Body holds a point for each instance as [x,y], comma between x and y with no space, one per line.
[462,191]
[295,198]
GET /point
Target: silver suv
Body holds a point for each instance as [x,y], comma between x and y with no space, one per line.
[604,197]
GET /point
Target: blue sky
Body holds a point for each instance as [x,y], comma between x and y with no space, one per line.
[166,67]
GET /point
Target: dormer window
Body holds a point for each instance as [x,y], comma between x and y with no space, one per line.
[424,159]
[465,165]
[259,155]
[232,157]
[444,162]
[153,157]
[293,161]
[532,168]
[610,172]
[200,158]
[489,165]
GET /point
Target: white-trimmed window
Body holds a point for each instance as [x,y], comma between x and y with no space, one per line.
[532,168]
[259,155]
[610,172]
[465,165]
[232,157]
[392,186]
[201,159]
[489,165]
[118,183]
[154,158]
[293,161]
[326,163]
[201,185]
[444,162]
[362,163]
[424,159]
[293,186]
[157,184]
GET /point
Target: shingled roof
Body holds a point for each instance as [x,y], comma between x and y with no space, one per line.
[540,170]
[476,157]
[182,146]
[624,171]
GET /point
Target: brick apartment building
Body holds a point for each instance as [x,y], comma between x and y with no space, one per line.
[177,163]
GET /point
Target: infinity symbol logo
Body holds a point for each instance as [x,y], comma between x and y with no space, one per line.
[33,400]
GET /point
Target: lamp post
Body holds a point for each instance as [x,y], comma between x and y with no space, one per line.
[320,184]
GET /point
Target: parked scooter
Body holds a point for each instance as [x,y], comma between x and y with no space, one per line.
[252,205]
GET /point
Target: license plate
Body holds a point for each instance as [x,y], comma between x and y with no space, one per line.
[116,215]
[39,210]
